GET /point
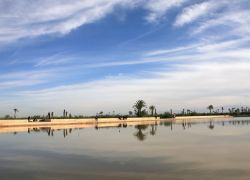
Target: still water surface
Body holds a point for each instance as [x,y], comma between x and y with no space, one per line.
[192,151]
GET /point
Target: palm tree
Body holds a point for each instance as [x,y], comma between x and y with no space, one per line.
[64,113]
[15,111]
[210,107]
[138,107]
[152,109]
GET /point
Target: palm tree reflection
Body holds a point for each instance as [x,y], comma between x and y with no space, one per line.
[142,131]
[153,130]
[211,125]
[139,134]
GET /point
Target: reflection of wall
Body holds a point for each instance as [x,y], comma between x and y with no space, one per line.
[57,124]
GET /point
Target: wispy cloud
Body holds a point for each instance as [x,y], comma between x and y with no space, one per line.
[217,75]
[227,50]
[196,11]
[54,60]
[44,17]
[175,50]
[189,86]
[235,21]
[158,8]
[210,15]
[211,66]
[13,80]
[30,19]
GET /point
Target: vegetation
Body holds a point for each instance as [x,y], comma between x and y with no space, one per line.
[210,108]
[139,108]
[166,115]
[152,110]
[15,111]
[140,111]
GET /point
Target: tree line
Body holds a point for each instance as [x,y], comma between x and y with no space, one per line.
[140,109]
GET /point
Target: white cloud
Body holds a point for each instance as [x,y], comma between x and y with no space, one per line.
[235,21]
[209,50]
[13,80]
[20,83]
[217,18]
[57,59]
[158,8]
[224,45]
[190,86]
[213,71]
[196,11]
[19,19]
[175,50]
[22,19]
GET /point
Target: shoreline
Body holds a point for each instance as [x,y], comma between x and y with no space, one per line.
[14,126]
[22,122]
[56,127]
[201,117]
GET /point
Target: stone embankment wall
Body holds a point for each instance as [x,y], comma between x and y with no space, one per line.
[201,117]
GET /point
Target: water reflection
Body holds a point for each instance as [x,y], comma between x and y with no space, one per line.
[211,125]
[183,150]
[142,130]
[140,134]
[153,130]
[186,124]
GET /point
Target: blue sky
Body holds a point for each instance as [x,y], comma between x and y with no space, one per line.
[103,55]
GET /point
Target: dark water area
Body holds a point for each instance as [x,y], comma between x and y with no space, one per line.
[190,151]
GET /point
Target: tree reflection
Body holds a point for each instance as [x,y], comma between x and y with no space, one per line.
[65,133]
[167,123]
[211,125]
[153,130]
[142,131]
[139,134]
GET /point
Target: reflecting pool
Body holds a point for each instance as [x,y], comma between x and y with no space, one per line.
[154,151]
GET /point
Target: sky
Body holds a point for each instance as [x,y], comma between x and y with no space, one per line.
[103,55]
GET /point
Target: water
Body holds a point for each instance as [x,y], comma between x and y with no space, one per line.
[217,150]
